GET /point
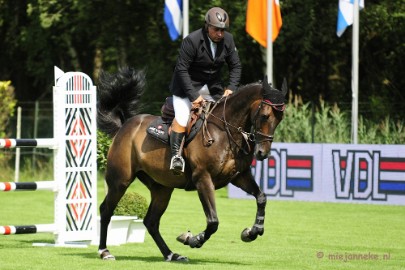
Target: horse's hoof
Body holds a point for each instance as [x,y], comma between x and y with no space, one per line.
[245,235]
[174,257]
[184,238]
[195,242]
[106,255]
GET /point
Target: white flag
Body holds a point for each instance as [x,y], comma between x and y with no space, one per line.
[345,15]
[173,17]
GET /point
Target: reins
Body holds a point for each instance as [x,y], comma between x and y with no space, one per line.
[247,136]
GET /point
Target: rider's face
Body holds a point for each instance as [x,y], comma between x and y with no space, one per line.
[215,34]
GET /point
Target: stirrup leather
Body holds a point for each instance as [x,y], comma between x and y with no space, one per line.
[174,159]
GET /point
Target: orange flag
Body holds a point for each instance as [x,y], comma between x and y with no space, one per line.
[256,20]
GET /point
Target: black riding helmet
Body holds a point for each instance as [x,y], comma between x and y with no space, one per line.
[217,17]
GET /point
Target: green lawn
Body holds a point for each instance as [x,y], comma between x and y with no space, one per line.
[298,235]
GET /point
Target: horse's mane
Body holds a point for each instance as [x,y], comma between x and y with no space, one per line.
[243,87]
[240,94]
[268,92]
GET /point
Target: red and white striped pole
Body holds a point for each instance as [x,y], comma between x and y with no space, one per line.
[40,143]
[26,186]
[26,229]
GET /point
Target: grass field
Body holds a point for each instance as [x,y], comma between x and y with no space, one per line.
[298,235]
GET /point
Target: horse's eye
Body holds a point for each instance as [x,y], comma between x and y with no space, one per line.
[265,117]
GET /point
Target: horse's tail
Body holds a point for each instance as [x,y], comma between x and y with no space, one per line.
[118,98]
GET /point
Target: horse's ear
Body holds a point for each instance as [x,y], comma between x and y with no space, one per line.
[284,87]
[265,85]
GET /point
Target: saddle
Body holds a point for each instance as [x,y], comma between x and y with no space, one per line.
[160,128]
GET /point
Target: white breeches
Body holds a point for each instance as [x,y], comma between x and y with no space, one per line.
[182,106]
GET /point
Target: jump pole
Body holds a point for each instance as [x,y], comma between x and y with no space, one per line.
[28,186]
[75,163]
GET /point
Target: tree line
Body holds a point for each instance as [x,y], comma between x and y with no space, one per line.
[99,34]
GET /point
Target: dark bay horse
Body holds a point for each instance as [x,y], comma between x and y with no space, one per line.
[240,126]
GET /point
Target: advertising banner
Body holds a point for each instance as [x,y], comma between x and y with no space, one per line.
[331,173]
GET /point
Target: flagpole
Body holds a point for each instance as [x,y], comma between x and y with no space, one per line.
[269,52]
[355,71]
[185,18]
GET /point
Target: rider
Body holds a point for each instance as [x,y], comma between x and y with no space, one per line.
[197,75]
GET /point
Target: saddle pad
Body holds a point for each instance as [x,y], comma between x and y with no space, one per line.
[159,129]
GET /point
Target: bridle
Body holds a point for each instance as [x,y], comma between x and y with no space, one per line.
[266,137]
[247,136]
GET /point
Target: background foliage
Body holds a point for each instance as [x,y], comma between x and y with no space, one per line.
[7,105]
[89,35]
[306,123]
[103,144]
[132,204]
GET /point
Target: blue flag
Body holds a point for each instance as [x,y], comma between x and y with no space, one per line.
[173,17]
[345,14]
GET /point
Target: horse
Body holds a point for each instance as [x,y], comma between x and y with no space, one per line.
[236,129]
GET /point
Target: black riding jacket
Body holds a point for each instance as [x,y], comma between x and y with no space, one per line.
[196,67]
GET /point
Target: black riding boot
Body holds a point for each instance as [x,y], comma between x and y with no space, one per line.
[177,161]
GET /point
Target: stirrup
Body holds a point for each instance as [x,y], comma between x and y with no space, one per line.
[177,170]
